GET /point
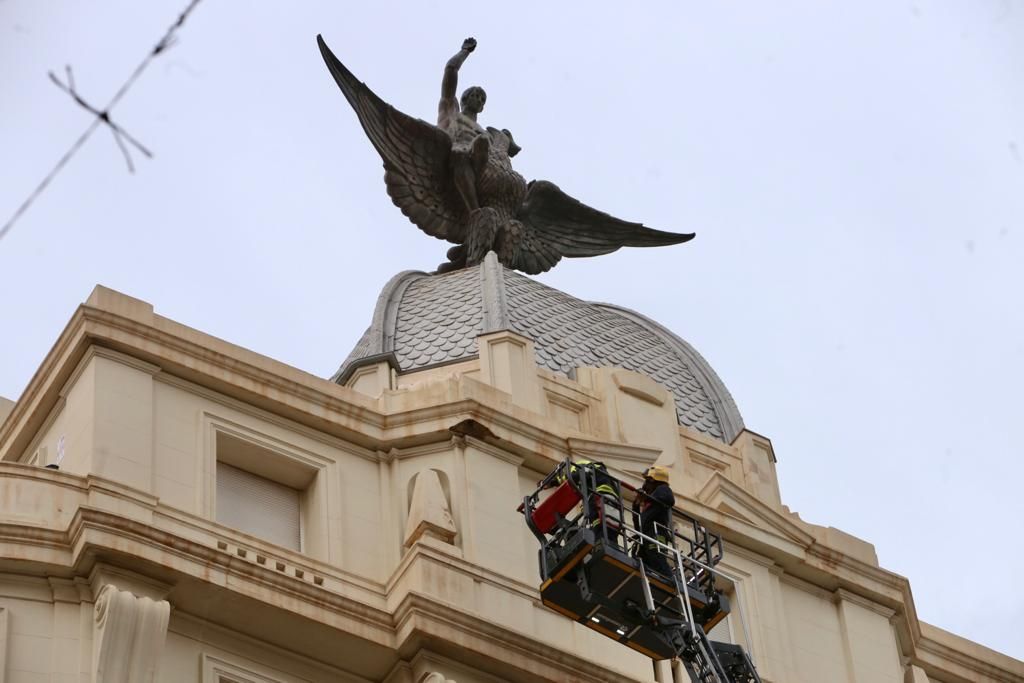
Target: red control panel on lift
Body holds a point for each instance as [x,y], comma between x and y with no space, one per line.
[561,502]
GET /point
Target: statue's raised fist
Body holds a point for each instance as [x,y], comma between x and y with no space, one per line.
[469,44]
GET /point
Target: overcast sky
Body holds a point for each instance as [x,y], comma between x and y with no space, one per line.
[854,173]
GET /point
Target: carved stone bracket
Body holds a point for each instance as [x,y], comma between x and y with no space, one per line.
[129,636]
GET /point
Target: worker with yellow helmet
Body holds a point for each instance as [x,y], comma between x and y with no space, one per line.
[654,503]
[603,495]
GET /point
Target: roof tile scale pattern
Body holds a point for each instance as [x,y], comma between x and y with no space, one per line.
[439,319]
[427,320]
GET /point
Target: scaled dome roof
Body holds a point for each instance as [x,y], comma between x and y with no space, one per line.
[428,320]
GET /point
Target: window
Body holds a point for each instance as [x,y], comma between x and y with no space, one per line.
[258,506]
[734,628]
[722,632]
[265,491]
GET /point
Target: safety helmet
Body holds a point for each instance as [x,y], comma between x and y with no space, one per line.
[656,473]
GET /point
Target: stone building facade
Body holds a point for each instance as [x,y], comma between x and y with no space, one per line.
[174,508]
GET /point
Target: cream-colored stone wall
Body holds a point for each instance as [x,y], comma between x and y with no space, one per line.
[414,565]
[43,637]
[815,635]
[198,651]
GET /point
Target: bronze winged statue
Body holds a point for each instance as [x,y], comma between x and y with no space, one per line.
[455,182]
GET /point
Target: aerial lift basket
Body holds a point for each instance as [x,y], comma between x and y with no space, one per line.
[591,572]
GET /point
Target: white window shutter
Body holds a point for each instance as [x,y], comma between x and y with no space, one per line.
[258,506]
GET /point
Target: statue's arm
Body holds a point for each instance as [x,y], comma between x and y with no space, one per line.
[450,82]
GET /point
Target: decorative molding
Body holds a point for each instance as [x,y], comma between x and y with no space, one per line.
[719,490]
[286,449]
[641,387]
[388,357]
[711,462]
[385,313]
[842,595]
[128,637]
[231,640]
[104,574]
[426,659]
[432,448]
[401,672]
[641,455]
[759,440]
[914,674]
[986,663]
[123,359]
[570,405]
[807,587]
[64,590]
[490,647]
[582,392]
[492,450]
[294,456]
[444,556]
[268,417]
[93,351]
[217,670]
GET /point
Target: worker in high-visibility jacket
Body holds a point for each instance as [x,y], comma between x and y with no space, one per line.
[604,501]
[654,503]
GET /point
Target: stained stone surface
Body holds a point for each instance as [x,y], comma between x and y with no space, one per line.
[428,320]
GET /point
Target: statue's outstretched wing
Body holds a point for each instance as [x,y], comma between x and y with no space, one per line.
[415,155]
[571,228]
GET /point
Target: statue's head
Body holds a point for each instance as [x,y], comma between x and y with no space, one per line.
[473,99]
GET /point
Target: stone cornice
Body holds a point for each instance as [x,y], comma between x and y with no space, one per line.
[94,532]
[792,547]
[843,595]
[265,415]
[641,455]
[181,356]
[19,427]
[494,451]
[719,488]
[191,626]
[197,361]
[424,551]
[941,653]
[421,619]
